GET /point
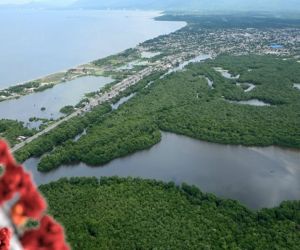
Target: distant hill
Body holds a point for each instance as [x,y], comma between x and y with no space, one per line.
[219,5]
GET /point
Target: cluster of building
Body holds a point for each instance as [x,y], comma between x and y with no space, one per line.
[284,42]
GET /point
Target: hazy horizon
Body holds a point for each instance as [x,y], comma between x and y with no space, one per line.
[188,5]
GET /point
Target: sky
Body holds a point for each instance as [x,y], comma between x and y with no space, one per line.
[264,5]
[54,2]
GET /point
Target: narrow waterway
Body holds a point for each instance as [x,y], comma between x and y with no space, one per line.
[249,86]
[252,102]
[122,101]
[225,73]
[257,177]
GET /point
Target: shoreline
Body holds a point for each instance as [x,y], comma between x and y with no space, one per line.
[7,94]
[129,163]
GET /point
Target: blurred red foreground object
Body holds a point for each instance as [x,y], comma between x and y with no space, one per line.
[30,205]
[4,239]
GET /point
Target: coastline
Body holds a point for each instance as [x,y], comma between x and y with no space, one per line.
[7,94]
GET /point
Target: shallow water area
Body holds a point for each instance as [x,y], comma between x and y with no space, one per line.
[67,93]
[123,100]
[225,73]
[249,85]
[196,59]
[253,102]
[210,83]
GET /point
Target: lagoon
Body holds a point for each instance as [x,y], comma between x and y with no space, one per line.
[67,93]
[257,177]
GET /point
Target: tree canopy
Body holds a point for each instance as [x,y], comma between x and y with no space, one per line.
[116,213]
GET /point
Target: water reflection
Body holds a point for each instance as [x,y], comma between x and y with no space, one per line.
[297,85]
[181,66]
[257,177]
[249,86]
[210,83]
[68,93]
[122,101]
[225,73]
[252,102]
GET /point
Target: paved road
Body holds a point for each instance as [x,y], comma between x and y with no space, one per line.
[170,62]
[52,126]
[115,90]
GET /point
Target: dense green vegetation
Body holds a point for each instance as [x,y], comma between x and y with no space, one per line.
[20,88]
[213,118]
[44,87]
[11,130]
[118,59]
[67,110]
[119,213]
[139,133]
[183,103]
[273,77]
[64,133]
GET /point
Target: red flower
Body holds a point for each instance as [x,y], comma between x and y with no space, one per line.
[10,183]
[30,205]
[4,239]
[50,236]
[6,159]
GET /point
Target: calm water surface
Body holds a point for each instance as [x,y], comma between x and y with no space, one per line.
[257,177]
[68,93]
[39,42]
[225,73]
[249,85]
[252,102]
[122,101]
[181,66]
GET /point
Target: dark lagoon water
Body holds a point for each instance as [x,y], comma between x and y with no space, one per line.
[68,93]
[257,177]
[122,101]
[39,42]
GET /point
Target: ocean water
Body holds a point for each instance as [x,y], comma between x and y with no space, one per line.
[35,43]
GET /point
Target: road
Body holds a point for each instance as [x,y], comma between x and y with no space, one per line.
[93,102]
[169,63]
